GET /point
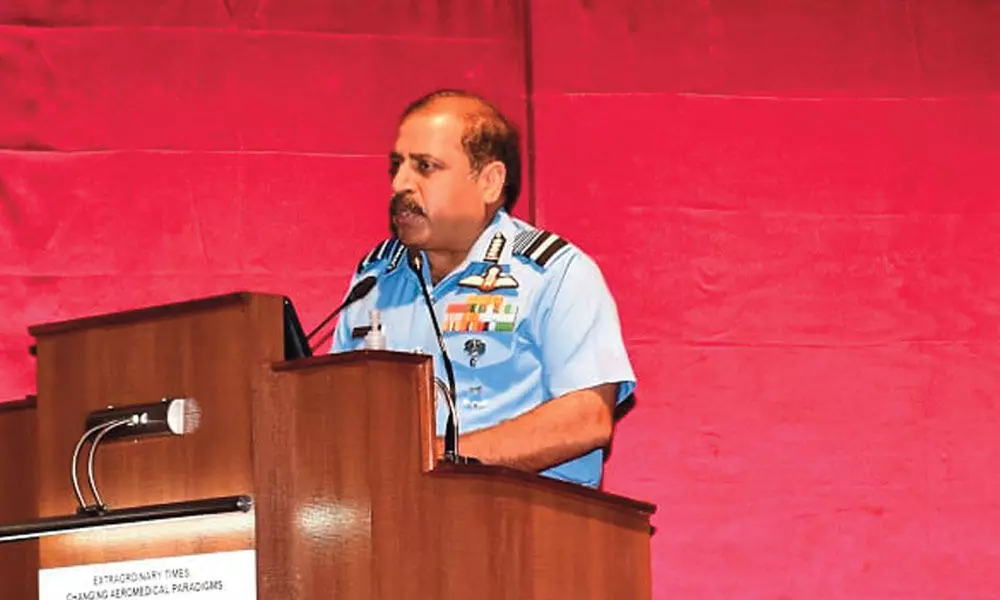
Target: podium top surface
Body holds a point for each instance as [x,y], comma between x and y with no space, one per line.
[28,402]
[354,356]
[143,313]
[539,481]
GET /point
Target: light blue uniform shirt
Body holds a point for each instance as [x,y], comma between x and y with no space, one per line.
[526,318]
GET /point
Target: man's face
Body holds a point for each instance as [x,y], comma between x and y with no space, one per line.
[436,200]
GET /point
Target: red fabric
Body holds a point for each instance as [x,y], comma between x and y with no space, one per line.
[213,89]
[794,203]
[157,151]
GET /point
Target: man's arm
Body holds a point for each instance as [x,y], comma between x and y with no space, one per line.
[553,433]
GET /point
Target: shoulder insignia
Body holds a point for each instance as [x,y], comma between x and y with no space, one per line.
[396,257]
[538,246]
[495,248]
[390,250]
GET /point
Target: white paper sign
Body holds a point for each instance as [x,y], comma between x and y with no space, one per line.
[218,576]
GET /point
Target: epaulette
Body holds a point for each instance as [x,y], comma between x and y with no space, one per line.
[390,250]
[538,246]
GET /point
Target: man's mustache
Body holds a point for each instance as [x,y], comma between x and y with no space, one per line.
[403,202]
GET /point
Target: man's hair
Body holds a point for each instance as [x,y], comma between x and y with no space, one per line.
[487,136]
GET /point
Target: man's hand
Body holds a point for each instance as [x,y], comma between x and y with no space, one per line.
[555,432]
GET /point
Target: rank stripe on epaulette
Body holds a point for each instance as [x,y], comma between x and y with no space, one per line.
[538,246]
[548,250]
[397,256]
[378,253]
[523,239]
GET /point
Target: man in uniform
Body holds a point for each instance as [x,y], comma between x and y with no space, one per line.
[526,317]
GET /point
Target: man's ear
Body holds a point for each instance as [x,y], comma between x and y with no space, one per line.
[491,180]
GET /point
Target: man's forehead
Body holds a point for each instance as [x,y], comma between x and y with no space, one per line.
[430,133]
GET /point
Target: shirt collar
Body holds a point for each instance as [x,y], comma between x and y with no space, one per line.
[502,223]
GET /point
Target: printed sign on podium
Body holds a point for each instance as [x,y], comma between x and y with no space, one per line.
[217,576]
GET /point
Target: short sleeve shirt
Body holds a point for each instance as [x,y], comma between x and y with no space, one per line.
[526,318]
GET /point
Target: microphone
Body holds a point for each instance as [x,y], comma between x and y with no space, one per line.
[101,429]
[170,416]
[451,430]
[359,291]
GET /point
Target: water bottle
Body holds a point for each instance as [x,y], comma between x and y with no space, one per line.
[375,338]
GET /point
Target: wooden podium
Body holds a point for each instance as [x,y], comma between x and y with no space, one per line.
[336,453]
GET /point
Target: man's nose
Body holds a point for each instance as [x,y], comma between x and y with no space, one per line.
[402,181]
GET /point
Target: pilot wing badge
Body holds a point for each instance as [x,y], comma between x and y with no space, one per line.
[493,276]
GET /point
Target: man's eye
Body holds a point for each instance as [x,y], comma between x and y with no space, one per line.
[393,168]
[424,167]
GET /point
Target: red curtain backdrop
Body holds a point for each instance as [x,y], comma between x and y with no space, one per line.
[794,202]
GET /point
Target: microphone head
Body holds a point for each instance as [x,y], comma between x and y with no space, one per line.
[183,415]
[362,288]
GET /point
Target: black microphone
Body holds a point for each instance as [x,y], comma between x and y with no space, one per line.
[451,429]
[359,291]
